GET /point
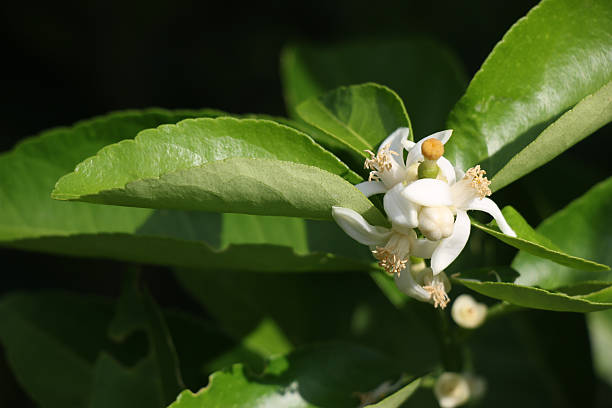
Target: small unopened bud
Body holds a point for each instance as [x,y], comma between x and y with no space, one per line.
[452,390]
[432,149]
[436,222]
[468,313]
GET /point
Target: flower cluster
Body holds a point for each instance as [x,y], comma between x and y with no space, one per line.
[426,200]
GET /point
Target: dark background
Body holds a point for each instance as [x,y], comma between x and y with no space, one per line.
[67,62]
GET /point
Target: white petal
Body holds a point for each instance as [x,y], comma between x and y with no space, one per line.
[459,174]
[415,153]
[447,169]
[487,205]
[443,135]
[395,142]
[424,248]
[429,192]
[406,283]
[369,188]
[401,211]
[450,248]
[358,228]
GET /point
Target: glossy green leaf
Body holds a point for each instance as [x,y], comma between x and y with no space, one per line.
[545,65]
[320,376]
[579,122]
[534,243]
[225,165]
[583,228]
[30,219]
[358,117]
[498,283]
[424,73]
[396,399]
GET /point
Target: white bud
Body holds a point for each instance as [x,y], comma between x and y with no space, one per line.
[436,222]
[468,313]
[452,390]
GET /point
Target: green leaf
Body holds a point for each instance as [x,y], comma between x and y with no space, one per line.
[396,399]
[424,73]
[358,117]
[322,376]
[498,284]
[583,227]
[545,65]
[534,243]
[30,219]
[225,165]
[585,118]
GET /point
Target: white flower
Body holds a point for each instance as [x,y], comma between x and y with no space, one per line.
[435,198]
[452,390]
[393,248]
[419,276]
[468,313]
[390,174]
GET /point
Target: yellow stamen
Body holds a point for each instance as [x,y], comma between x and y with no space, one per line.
[389,261]
[479,181]
[438,294]
[379,162]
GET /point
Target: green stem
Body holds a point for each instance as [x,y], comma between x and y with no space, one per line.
[450,348]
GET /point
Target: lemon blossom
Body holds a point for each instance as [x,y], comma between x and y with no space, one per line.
[452,390]
[467,312]
[439,201]
[418,275]
[390,174]
[393,248]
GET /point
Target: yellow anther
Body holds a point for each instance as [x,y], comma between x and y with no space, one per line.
[432,149]
[479,182]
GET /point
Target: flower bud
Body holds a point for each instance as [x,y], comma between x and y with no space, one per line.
[436,222]
[468,313]
[452,390]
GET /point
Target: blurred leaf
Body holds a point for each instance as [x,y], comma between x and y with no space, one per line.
[600,330]
[585,118]
[136,310]
[358,117]
[425,74]
[320,376]
[396,399]
[583,228]
[498,284]
[59,349]
[312,308]
[30,219]
[545,64]
[51,342]
[225,165]
[518,355]
[534,243]
[265,341]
